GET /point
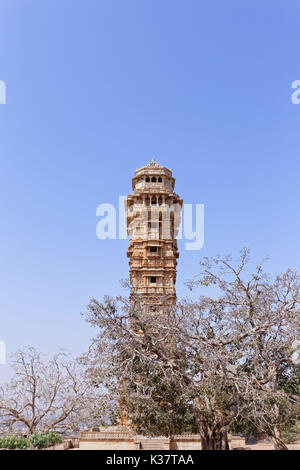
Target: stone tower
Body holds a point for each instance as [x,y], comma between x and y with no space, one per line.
[153,213]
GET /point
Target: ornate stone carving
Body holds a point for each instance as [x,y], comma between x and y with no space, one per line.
[153,216]
[153,164]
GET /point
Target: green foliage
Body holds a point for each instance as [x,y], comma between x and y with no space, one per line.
[46,439]
[289,380]
[159,406]
[291,433]
[13,442]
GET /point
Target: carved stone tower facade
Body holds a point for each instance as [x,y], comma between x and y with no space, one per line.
[153,213]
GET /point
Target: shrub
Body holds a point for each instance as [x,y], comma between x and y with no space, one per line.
[46,439]
[14,442]
[292,433]
[42,440]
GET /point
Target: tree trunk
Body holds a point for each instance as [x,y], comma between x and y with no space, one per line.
[214,440]
[213,436]
[278,443]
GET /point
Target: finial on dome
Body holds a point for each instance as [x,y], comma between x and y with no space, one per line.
[153,164]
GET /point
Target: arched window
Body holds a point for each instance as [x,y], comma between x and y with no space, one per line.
[153,179]
[147,179]
[159,180]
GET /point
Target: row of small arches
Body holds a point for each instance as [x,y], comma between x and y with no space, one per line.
[152,201]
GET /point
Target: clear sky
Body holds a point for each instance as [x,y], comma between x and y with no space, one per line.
[95,89]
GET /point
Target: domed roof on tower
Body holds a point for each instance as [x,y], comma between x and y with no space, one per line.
[153,167]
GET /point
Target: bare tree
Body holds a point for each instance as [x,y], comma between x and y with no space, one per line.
[51,395]
[260,322]
[224,356]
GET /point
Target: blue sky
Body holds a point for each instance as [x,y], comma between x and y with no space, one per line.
[95,89]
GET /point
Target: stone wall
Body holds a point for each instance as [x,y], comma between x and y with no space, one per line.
[106,444]
[127,441]
[185,442]
[106,441]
